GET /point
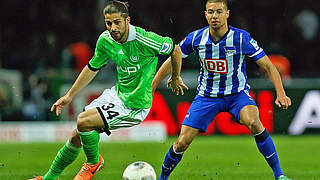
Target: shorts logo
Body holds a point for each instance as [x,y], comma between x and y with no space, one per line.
[187,115]
[165,48]
[219,66]
[248,94]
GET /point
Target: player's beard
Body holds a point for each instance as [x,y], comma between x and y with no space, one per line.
[118,37]
[121,34]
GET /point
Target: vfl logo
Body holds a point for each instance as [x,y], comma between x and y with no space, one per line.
[219,66]
[134,58]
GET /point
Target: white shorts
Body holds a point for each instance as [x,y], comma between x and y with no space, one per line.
[114,113]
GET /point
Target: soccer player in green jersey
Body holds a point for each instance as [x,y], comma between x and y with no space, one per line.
[135,53]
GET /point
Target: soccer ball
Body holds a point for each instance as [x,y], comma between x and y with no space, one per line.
[139,171]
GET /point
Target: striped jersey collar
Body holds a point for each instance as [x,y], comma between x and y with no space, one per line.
[221,39]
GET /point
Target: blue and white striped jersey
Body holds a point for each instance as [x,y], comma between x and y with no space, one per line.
[223,70]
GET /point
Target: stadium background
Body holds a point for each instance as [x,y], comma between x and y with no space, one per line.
[44,44]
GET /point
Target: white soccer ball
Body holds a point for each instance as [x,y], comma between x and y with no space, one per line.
[139,171]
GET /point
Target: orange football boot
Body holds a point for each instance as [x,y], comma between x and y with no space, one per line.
[88,170]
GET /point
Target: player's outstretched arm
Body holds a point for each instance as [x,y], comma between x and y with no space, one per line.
[176,61]
[282,100]
[162,73]
[84,78]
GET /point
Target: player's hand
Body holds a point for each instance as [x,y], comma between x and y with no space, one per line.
[60,103]
[177,85]
[283,102]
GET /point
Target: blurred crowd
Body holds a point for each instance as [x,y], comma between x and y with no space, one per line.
[50,41]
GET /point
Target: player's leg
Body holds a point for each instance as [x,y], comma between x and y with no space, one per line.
[249,116]
[174,155]
[87,123]
[107,112]
[66,155]
[70,151]
[245,111]
[200,114]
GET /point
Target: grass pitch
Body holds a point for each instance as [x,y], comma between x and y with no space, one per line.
[211,157]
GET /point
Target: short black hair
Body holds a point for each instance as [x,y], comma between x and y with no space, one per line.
[225,2]
[117,7]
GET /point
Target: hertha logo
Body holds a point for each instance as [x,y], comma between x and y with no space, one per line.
[230,50]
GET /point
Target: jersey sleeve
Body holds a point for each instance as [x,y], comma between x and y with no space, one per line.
[251,48]
[186,45]
[159,45]
[101,55]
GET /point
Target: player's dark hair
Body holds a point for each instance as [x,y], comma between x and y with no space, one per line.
[117,7]
[225,2]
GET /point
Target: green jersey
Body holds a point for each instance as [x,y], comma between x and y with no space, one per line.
[136,62]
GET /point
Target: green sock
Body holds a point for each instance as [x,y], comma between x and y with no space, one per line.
[90,143]
[67,154]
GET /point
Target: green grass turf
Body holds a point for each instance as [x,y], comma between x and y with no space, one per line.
[211,157]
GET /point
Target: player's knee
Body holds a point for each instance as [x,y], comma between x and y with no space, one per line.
[254,125]
[82,122]
[181,145]
[75,138]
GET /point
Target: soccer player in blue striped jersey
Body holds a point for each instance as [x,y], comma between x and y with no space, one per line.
[223,85]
